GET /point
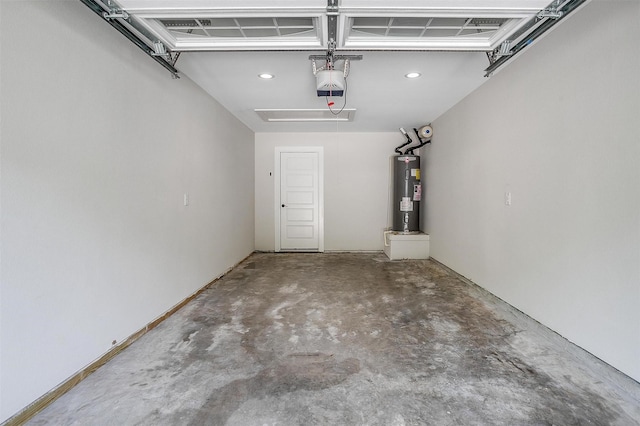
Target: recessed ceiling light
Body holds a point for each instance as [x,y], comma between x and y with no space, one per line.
[413,75]
[266,76]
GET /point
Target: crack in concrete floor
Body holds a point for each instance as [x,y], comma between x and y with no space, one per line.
[353,339]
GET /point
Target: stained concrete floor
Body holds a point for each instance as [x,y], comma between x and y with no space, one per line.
[348,339]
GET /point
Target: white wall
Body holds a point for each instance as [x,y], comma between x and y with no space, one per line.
[98,146]
[356,186]
[558,129]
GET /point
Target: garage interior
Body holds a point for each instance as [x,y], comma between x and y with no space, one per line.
[126,192]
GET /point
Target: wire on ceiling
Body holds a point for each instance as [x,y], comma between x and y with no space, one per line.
[330,104]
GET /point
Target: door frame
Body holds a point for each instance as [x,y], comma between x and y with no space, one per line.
[277,184]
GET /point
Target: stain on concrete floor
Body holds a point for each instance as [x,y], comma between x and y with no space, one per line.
[346,339]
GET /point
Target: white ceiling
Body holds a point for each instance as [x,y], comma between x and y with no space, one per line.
[223,54]
[376,87]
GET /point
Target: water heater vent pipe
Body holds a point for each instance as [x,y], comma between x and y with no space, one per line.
[406,135]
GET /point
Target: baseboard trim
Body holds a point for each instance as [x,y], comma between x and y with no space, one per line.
[41,403]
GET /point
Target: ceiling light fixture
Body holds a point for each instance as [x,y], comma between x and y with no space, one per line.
[413,75]
[266,76]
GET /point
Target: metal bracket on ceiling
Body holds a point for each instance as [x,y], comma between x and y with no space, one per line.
[552,11]
[127,26]
[115,13]
[332,34]
[528,33]
[332,28]
[160,50]
[503,50]
[553,14]
[330,60]
[332,7]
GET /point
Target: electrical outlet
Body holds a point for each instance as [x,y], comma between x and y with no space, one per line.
[507,198]
[186,199]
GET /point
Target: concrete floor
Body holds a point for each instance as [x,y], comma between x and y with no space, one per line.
[348,339]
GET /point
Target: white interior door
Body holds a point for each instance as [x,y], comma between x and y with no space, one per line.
[299,202]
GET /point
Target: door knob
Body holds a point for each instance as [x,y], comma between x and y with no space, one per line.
[284,205]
